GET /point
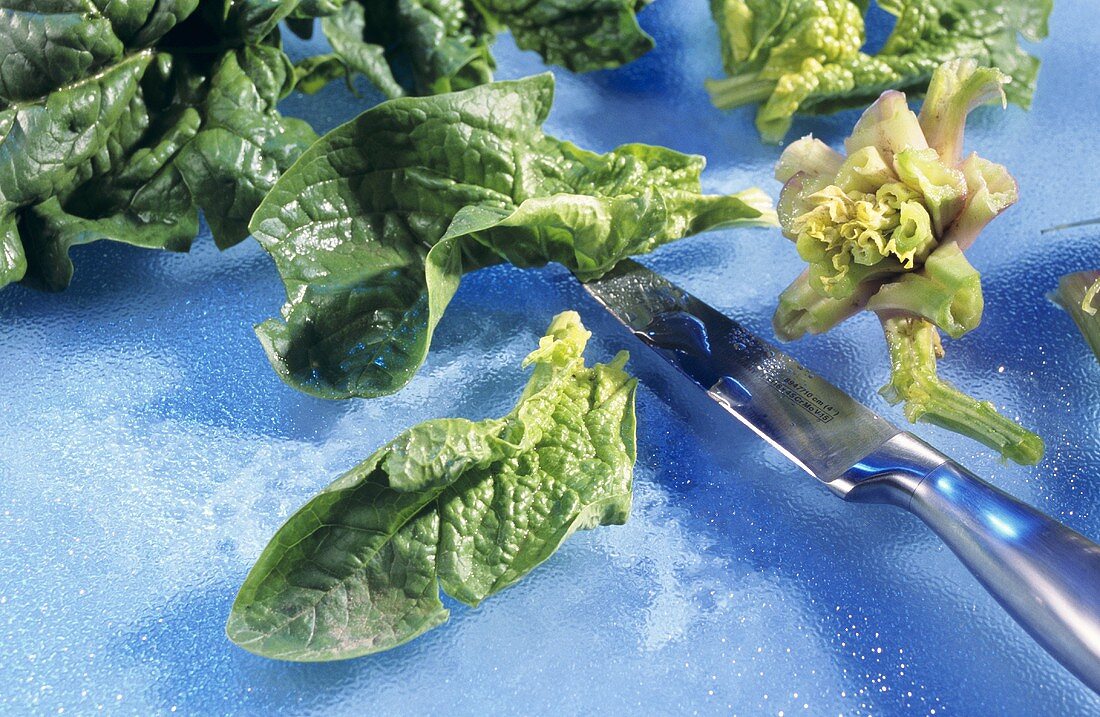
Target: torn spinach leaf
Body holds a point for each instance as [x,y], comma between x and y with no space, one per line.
[806,55]
[121,122]
[469,507]
[435,46]
[373,227]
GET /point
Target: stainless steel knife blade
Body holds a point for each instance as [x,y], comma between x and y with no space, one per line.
[820,428]
[1044,574]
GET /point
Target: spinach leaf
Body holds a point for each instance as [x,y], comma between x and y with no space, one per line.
[581,36]
[346,31]
[469,507]
[806,56]
[374,225]
[120,122]
[436,46]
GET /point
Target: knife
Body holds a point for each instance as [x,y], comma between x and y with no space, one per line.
[1044,574]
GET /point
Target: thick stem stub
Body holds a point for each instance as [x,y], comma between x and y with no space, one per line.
[914,346]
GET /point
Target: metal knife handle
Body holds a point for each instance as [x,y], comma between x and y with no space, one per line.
[1044,574]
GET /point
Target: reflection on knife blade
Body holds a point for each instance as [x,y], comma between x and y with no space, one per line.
[818,426]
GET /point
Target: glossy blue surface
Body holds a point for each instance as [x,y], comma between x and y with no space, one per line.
[148,452]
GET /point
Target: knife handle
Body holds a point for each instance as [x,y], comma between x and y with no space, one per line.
[1044,574]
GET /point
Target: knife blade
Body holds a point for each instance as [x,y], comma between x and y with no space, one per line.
[1044,574]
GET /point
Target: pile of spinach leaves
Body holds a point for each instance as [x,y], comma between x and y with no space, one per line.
[121,121]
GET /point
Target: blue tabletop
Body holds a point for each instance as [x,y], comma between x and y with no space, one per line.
[147,453]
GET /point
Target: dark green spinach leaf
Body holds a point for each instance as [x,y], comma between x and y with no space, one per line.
[373,227]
